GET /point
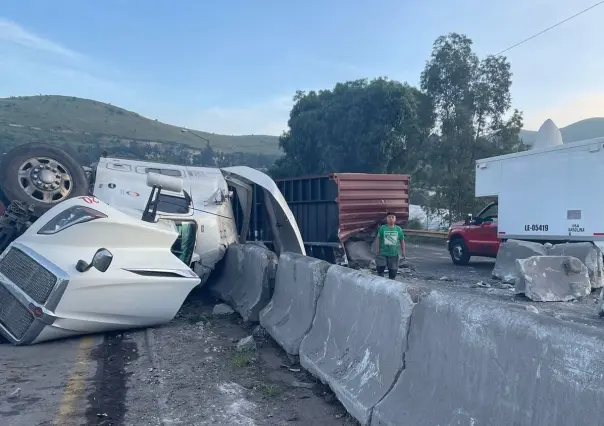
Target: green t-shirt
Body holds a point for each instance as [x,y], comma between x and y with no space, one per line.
[390,239]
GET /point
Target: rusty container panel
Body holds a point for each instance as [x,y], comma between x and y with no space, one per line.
[364,199]
[331,208]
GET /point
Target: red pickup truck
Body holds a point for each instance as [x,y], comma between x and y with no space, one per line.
[476,236]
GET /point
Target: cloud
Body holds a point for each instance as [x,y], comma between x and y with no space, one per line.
[267,118]
[31,64]
[573,108]
[12,33]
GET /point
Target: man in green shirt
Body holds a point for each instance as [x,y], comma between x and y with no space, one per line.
[390,238]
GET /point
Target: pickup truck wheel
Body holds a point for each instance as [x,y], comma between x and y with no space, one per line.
[41,176]
[459,252]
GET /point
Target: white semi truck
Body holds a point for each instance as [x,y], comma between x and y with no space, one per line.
[119,245]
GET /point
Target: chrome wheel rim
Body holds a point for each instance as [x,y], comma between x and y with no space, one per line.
[457,252]
[45,180]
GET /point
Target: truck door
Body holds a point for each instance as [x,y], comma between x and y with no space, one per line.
[285,228]
[486,233]
[482,233]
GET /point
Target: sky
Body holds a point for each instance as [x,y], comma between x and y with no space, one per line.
[233,66]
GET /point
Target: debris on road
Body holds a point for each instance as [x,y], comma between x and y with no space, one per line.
[247,344]
[15,394]
[222,386]
[481,284]
[552,278]
[259,332]
[510,251]
[305,385]
[222,309]
[589,254]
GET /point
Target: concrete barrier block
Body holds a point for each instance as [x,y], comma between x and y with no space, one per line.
[247,279]
[289,315]
[589,254]
[552,278]
[227,275]
[358,337]
[505,263]
[473,361]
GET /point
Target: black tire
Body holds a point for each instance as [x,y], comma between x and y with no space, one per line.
[68,177]
[459,252]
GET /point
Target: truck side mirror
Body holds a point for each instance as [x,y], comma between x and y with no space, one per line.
[101,261]
[469,219]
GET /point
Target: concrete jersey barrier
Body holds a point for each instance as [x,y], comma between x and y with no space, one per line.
[289,314]
[358,337]
[472,361]
[247,279]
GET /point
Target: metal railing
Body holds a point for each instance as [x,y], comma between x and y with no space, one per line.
[426,233]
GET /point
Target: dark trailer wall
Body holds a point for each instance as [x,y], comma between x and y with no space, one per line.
[332,208]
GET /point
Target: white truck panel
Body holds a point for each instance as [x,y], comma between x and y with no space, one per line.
[548,194]
[488,177]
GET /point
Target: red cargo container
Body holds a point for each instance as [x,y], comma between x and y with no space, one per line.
[332,208]
[364,199]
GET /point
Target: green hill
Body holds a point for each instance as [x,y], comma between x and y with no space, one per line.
[581,130]
[71,120]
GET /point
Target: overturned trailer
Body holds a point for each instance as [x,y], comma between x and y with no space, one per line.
[337,214]
[119,245]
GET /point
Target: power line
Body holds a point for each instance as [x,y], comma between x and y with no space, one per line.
[552,27]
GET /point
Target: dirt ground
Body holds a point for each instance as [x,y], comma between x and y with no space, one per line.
[200,378]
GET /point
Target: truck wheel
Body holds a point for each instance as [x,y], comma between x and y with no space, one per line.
[41,176]
[459,252]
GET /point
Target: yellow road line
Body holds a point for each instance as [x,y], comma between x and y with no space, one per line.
[75,382]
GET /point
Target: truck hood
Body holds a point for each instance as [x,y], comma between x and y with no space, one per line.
[144,285]
[458,224]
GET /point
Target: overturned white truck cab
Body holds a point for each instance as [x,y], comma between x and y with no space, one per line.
[202,209]
[123,253]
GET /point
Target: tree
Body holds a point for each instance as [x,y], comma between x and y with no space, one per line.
[206,157]
[470,100]
[374,126]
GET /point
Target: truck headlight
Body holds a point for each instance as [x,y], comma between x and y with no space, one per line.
[71,216]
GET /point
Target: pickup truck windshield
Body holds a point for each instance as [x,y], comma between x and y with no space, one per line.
[171,204]
[490,213]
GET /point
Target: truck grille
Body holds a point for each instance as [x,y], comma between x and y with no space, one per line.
[27,274]
[15,317]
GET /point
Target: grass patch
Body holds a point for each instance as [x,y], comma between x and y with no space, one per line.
[269,390]
[243,358]
[196,317]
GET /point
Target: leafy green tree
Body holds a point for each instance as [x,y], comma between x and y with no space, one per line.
[471,100]
[206,158]
[375,126]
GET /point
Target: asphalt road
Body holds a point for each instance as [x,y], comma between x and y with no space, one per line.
[44,384]
[434,262]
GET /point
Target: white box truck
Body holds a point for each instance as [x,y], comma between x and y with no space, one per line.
[549,193]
